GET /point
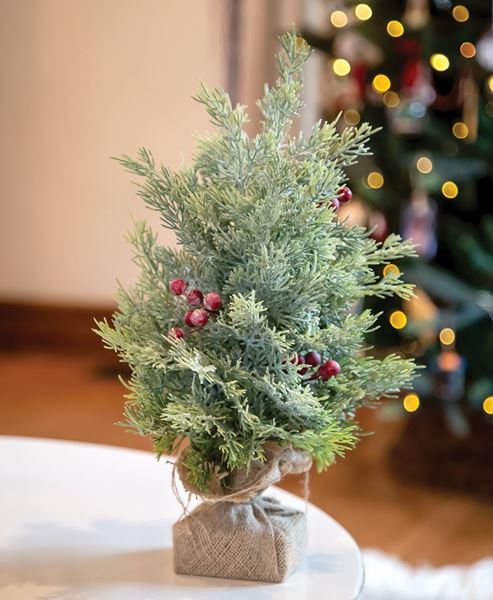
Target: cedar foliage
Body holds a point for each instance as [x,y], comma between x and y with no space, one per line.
[254,222]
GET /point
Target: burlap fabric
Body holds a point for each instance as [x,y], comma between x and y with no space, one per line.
[259,540]
[236,533]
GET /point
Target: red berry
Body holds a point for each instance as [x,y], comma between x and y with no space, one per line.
[186,318]
[335,203]
[176,332]
[313,358]
[329,369]
[199,317]
[194,297]
[297,359]
[345,195]
[213,301]
[301,361]
[177,286]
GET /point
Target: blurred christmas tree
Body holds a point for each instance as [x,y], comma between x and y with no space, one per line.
[423,71]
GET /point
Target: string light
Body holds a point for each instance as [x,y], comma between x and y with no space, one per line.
[338,18]
[447,336]
[363,12]
[460,13]
[341,67]
[424,164]
[488,405]
[439,62]
[398,319]
[460,130]
[352,116]
[489,108]
[395,28]
[450,189]
[375,180]
[391,99]
[411,402]
[468,50]
[490,83]
[391,268]
[381,83]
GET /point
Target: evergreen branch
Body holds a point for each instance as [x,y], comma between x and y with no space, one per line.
[281,103]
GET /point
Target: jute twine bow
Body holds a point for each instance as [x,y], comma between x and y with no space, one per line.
[244,484]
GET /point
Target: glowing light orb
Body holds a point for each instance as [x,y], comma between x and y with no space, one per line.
[460,13]
[447,336]
[488,405]
[450,189]
[381,83]
[439,62]
[424,164]
[460,130]
[391,99]
[398,319]
[395,28]
[468,50]
[391,268]
[375,180]
[363,12]
[338,18]
[411,402]
[341,67]
[351,116]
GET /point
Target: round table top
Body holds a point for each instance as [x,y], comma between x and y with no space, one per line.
[89,522]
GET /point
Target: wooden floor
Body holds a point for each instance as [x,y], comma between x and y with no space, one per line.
[74,398]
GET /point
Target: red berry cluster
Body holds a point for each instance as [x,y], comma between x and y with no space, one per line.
[344,195]
[196,317]
[330,368]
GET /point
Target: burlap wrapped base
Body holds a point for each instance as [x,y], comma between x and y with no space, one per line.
[258,540]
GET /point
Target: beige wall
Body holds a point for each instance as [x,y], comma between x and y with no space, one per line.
[84,80]
[87,79]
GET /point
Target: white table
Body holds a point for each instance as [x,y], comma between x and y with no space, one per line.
[88,522]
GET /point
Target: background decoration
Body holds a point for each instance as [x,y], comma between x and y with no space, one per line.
[432,92]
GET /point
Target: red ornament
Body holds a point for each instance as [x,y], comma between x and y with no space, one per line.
[194,297]
[199,317]
[329,369]
[213,301]
[186,318]
[409,46]
[176,332]
[335,203]
[359,71]
[410,73]
[177,286]
[345,195]
[313,358]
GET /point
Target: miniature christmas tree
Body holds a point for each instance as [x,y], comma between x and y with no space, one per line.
[245,342]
